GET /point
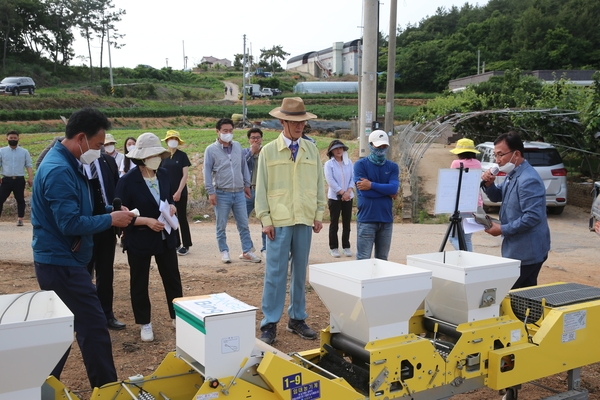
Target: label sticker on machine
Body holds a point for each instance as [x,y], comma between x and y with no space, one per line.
[574,321]
[208,396]
[299,390]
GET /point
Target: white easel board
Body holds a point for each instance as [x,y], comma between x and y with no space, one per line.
[445,195]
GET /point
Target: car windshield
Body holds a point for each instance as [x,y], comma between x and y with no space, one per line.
[9,80]
[542,157]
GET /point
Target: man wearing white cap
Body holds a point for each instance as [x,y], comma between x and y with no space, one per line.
[290,201]
[377,186]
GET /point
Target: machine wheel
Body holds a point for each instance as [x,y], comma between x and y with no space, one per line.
[16,92]
[556,210]
[31,91]
[511,394]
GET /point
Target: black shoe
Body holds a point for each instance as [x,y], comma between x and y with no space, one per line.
[269,332]
[115,324]
[300,328]
[183,251]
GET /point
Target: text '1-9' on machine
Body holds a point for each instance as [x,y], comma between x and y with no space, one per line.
[444,324]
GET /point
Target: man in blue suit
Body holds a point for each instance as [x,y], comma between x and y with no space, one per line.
[523,222]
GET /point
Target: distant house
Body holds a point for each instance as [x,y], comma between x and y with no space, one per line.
[340,59]
[576,77]
[212,61]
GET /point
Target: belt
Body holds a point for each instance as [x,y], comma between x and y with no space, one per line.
[12,177]
[229,190]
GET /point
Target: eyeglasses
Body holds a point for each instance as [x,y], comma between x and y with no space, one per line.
[500,155]
[255,137]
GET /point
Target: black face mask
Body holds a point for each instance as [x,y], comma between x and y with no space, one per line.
[13,142]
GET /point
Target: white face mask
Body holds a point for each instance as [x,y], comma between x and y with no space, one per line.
[508,167]
[173,143]
[153,162]
[110,148]
[89,156]
[226,137]
[131,148]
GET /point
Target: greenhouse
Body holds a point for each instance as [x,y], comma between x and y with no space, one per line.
[326,87]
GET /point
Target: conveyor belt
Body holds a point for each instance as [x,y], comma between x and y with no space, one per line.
[556,296]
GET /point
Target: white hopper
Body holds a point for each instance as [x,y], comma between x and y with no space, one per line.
[370,299]
[467,286]
[35,331]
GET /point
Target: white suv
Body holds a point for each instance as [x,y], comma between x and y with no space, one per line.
[546,160]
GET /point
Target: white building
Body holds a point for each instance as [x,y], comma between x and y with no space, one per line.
[340,59]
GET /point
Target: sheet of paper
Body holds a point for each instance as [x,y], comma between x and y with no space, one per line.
[445,195]
[470,226]
[170,221]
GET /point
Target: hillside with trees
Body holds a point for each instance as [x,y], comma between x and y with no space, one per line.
[510,34]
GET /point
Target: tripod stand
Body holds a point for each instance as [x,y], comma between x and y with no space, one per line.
[455,227]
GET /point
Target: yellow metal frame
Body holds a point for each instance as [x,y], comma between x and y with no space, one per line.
[497,352]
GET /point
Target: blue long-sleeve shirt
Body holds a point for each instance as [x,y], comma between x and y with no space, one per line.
[375,204]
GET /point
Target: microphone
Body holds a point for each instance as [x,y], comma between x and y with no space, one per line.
[494,170]
[117,204]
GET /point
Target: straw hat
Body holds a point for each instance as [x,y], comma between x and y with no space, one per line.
[148,145]
[173,135]
[335,144]
[464,145]
[292,109]
[108,139]
[379,138]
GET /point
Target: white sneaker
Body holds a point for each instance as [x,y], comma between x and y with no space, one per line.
[174,324]
[225,257]
[347,252]
[250,257]
[334,253]
[146,333]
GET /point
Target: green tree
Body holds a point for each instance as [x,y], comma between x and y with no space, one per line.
[272,55]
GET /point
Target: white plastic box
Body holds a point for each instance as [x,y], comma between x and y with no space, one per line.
[215,330]
[370,299]
[35,331]
[467,286]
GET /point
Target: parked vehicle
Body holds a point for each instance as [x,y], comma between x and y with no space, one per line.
[16,85]
[266,92]
[252,90]
[276,92]
[546,160]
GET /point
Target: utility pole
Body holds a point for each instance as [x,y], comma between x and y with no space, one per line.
[368,107]
[391,71]
[244,111]
[112,84]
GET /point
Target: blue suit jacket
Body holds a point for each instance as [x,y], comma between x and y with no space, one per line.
[523,215]
[134,193]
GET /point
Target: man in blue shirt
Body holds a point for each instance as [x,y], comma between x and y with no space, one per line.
[377,185]
[14,160]
[62,207]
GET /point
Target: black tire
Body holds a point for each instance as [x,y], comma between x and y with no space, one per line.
[17,92]
[31,91]
[511,394]
[556,210]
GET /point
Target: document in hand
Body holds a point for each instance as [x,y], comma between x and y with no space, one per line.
[170,221]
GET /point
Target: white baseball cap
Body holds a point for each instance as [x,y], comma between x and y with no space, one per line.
[379,138]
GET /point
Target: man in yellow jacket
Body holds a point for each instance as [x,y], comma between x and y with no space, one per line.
[290,201]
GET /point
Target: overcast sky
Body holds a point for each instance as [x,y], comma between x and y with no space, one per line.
[158,30]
